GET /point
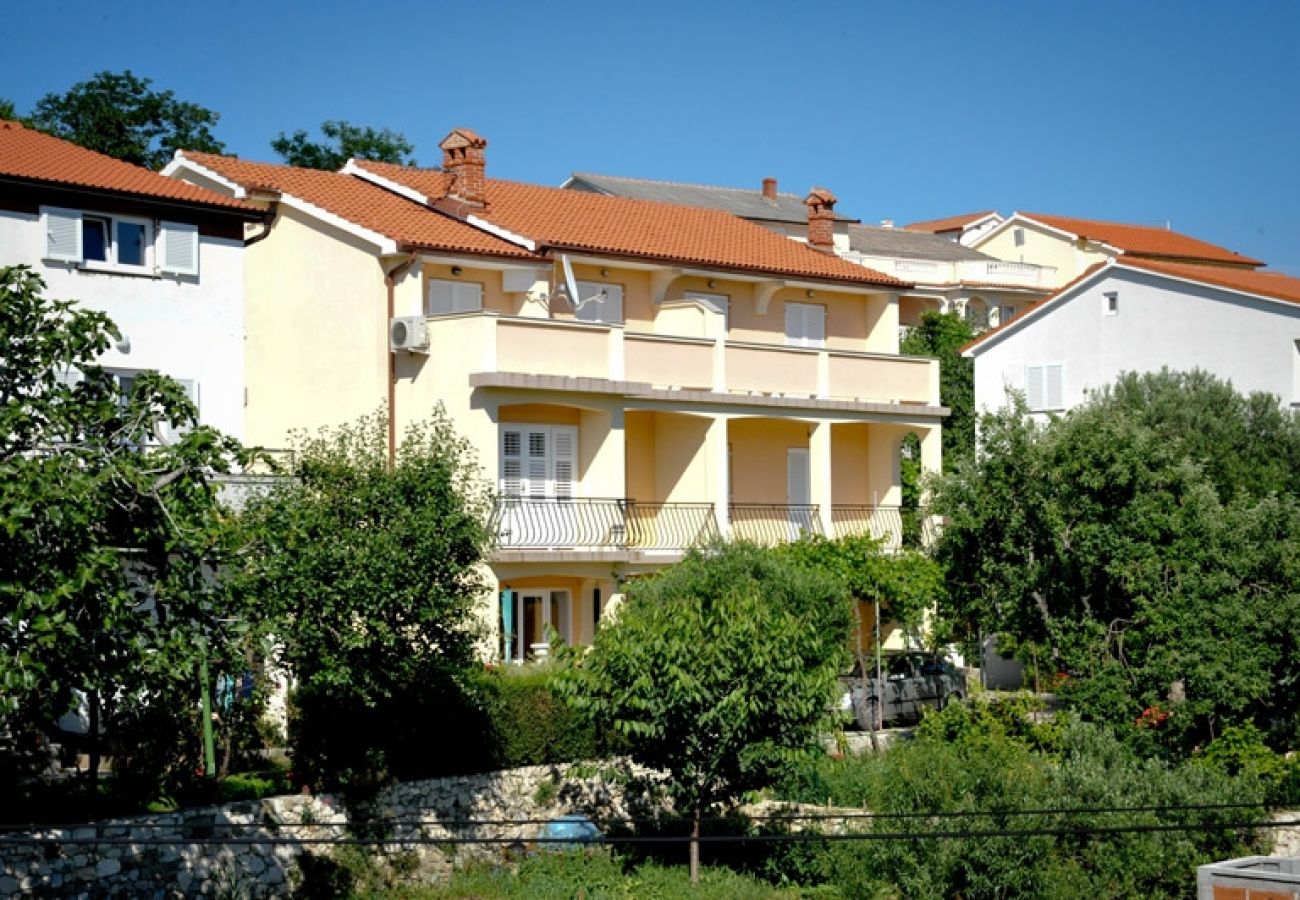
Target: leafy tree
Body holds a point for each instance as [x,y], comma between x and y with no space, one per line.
[718,670]
[368,575]
[107,544]
[344,141]
[7,110]
[907,585]
[1148,563]
[942,335]
[120,115]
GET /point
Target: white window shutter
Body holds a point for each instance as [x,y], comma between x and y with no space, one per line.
[62,229]
[538,466]
[1053,388]
[1034,393]
[511,462]
[608,309]
[565,449]
[794,334]
[178,248]
[815,325]
[469,297]
[69,377]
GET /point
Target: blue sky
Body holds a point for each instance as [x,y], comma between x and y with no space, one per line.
[1139,112]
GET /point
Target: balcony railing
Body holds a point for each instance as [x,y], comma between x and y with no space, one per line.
[893,526]
[601,524]
[773,523]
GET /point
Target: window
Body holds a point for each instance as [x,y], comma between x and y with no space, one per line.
[1018,237]
[599,302]
[1111,307]
[538,461]
[1006,314]
[122,243]
[805,325]
[450,297]
[166,432]
[1045,387]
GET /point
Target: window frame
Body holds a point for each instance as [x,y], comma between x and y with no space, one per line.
[613,290]
[113,261]
[457,287]
[803,340]
[1042,374]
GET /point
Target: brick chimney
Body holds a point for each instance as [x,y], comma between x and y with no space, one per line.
[769,188]
[821,219]
[463,157]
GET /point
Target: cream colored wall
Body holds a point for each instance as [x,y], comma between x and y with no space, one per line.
[601,453]
[640,434]
[316,352]
[681,462]
[850,463]
[1044,248]
[758,457]
[539,414]
[638,308]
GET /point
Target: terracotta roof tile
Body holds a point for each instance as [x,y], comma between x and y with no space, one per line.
[36,156]
[622,226]
[372,207]
[1273,285]
[950,223]
[1266,284]
[1145,240]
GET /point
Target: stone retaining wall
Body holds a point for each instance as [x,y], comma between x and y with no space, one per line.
[253,848]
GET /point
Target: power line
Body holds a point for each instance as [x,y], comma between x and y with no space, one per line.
[798,837]
[651,820]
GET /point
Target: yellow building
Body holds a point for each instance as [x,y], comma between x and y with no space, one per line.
[636,376]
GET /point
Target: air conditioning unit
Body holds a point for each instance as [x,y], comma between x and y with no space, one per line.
[409,333]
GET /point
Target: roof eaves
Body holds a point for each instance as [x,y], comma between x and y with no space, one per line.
[180,161]
[982,342]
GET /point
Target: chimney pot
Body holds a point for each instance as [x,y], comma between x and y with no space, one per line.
[769,188]
[463,157]
[821,219]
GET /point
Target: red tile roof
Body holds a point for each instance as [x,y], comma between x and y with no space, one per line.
[372,207]
[35,156]
[1266,284]
[1273,285]
[951,223]
[1144,240]
[621,226]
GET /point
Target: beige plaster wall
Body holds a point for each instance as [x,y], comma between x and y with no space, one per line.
[1044,248]
[758,457]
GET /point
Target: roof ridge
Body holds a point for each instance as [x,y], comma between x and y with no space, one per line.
[687,184]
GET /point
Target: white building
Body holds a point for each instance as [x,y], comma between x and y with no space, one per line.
[1139,315]
[163,259]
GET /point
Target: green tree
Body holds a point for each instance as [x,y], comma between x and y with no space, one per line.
[107,541]
[718,670]
[942,335]
[368,575]
[7,110]
[120,115]
[1141,558]
[344,141]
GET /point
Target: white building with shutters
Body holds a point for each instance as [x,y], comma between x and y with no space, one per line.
[1138,315]
[163,259]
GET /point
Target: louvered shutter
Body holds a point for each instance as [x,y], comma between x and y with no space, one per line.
[178,248]
[449,297]
[62,229]
[1034,393]
[1053,386]
[536,466]
[469,297]
[172,432]
[512,465]
[564,443]
[794,324]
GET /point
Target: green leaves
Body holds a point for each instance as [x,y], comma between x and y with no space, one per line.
[120,115]
[719,669]
[1146,543]
[344,141]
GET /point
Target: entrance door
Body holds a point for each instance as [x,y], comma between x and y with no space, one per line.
[798,491]
[538,611]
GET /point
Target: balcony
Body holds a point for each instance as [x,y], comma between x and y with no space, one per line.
[622,526]
[588,524]
[559,353]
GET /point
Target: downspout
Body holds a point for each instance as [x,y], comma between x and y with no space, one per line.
[268,222]
[390,281]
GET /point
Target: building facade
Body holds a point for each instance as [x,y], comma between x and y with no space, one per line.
[163,259]
[635,377]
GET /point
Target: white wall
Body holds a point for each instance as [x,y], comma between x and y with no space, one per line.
[187,327]
[1160,322]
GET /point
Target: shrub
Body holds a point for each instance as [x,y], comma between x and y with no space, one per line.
[530,723]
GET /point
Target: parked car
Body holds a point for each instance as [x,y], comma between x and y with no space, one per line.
[912,683]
